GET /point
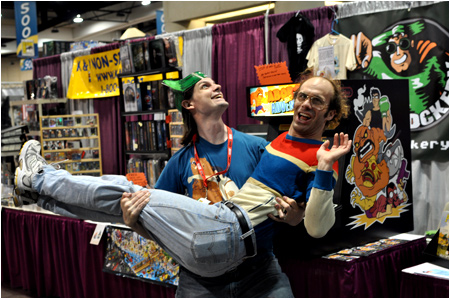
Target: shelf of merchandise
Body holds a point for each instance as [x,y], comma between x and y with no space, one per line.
[34,102]
[175,120]
[69,164]
[146,76]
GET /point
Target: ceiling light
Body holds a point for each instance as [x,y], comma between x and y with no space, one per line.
[78,19]
[236,13]
[146,2]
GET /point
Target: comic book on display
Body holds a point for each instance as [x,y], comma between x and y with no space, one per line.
[150,135]
[155,95]
[151,168]
[125,59]
[156,54]
[129,254]
[131,97]
[137,56]
[162,95]
[146,96]
[170,52]
[350,254]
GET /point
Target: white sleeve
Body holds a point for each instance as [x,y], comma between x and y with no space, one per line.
[319,213]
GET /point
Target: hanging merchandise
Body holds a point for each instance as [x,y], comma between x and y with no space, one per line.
[298,32]
[335,48]
[332,55]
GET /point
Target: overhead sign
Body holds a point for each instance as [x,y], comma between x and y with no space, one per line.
[95,76]
[26,64]
[26,29]
[160,26]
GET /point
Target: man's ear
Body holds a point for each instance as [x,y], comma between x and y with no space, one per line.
[330,115]
[186,104]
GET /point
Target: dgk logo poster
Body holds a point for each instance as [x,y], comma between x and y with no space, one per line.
[413,45]
[376,183]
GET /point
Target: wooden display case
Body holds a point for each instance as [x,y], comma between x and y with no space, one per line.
[73,141]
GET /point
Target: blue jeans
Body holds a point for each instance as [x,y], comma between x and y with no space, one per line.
[205,239]
[251,280]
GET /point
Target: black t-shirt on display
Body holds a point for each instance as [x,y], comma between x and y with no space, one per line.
[298,32]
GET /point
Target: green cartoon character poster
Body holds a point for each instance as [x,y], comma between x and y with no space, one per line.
[413,45]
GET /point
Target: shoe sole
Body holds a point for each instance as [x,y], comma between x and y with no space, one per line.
[17,199]
[24,198]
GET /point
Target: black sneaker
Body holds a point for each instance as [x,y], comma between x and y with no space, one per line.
[24,197]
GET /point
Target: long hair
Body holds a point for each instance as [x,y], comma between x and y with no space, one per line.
[190,126]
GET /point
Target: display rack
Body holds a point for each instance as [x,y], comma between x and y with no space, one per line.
[147,144]
[176,129]
[12,140]
[73,141]
[39,103]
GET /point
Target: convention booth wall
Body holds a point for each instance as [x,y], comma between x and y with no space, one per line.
[219,51]
[229,53]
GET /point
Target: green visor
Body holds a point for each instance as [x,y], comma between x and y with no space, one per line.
[180,86]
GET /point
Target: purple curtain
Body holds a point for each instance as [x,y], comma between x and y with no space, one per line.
[109,113]
[320,17]
[49,66]
[51,256]
[236,48]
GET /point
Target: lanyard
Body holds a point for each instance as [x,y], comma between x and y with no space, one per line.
[199,164]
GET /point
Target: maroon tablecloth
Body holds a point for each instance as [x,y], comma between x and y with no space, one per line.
[51,257]
[420,286]
[377,275]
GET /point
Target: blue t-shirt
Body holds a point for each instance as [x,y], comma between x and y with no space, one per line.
[181,175]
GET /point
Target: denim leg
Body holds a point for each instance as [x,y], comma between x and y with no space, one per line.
[203,238]
[259,280]
[267,281]
[88,192]
[71,211]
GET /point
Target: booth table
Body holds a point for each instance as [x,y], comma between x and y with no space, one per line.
[51,256]
[376,275]
[417,285]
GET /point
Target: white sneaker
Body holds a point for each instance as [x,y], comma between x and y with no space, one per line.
[30,163]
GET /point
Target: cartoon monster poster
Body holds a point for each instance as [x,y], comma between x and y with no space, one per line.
[409,44]
[376,180]
[373,196]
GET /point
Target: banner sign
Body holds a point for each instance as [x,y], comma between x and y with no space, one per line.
[95,76]
[26,29]
[26,64]
[409,44]
[160,26]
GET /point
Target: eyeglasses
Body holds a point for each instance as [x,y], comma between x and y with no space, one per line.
[316,102]
[404,44]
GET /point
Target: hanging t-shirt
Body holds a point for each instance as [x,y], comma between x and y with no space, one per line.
[298,32]
[344,55]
